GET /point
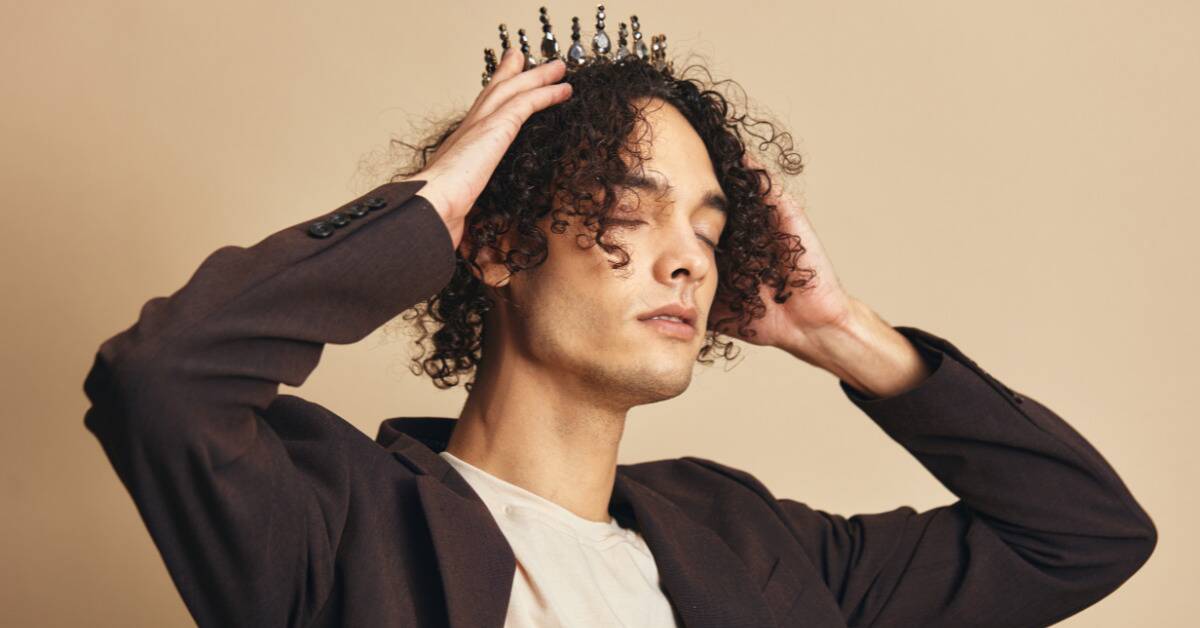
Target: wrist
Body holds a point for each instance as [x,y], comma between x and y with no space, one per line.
[866,352]
[847,342]
[431,194]
[437,199]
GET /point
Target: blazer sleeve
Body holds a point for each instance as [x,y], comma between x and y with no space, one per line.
[1042,529]
[178,400]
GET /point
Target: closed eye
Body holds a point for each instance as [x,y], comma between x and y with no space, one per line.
[620,222]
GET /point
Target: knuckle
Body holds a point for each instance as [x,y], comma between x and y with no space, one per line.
[512,123]
[504,124]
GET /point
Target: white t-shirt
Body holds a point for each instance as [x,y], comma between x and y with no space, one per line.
[571,571]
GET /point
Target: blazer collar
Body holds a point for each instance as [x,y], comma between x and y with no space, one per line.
[706,582]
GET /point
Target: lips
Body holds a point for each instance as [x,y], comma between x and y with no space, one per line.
[672,327]
[686,314]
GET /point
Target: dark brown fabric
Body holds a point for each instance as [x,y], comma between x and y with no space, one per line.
[271,510]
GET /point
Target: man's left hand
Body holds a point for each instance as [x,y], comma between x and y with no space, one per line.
[826,327]
[820,306]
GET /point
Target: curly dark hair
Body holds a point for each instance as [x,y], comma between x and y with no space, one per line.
[572,158]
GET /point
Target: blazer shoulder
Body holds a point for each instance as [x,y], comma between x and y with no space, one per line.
[729,501]
[307,427]
[296,418]
[692,480]
[726,474]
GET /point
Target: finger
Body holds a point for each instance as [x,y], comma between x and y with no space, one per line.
[518,108]
[545,74]
[512,62]
[505,89]
[491,99]
[511,65]
[487,141]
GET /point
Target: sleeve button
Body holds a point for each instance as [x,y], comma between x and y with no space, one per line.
[320,229]
[376,202]
[339,219]
[357,210]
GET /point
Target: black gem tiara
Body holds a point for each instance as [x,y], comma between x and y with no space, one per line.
[577,56]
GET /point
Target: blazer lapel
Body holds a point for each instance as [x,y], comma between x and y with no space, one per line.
[707,583]
[475,561]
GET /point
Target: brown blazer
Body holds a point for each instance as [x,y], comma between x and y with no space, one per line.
[270,510]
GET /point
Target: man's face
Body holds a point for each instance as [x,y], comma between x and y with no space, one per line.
[578,320]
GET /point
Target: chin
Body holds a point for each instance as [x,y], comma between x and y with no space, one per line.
[671,374]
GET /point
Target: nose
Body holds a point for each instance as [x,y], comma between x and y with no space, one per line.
[684,257]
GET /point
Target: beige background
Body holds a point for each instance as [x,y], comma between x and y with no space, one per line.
[1017,177]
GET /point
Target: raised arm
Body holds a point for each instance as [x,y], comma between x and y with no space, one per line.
[246,498]
[1042,529]
[180,399]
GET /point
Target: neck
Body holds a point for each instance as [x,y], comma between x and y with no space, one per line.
[543,431]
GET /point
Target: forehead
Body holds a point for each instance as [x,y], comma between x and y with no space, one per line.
[670,145]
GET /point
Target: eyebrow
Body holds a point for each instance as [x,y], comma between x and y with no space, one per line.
[712,198]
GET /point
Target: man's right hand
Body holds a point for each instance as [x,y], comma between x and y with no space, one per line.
[458,171]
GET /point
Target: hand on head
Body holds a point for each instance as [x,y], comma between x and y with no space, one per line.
[461,167]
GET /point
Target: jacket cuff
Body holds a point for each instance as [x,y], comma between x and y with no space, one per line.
[955,381]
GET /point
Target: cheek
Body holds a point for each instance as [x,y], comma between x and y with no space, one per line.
[576,325]
[581,299]
[573,296]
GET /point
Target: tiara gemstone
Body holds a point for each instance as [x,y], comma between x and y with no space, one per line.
[601,43]
[576,53]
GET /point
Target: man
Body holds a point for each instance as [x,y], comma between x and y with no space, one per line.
[271,510]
